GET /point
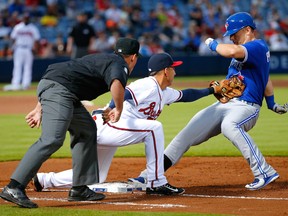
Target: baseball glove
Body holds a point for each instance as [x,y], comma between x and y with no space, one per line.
[227,89]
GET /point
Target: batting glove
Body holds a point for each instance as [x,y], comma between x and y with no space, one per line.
[211,43]
[280,109]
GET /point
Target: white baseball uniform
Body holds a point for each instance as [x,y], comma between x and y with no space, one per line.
[25,37]
[137,124]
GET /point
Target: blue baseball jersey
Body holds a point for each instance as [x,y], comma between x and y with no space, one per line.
[255,70]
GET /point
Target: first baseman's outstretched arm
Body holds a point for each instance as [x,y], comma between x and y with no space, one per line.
[190,95]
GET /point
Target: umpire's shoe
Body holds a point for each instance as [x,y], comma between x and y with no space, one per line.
[166,189]
[83,193]
[17,196]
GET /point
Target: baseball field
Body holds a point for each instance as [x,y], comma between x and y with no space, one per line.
[213,174]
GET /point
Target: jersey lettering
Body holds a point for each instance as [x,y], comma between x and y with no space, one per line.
[23,33]
[268,56]
[236,64]
[149,111]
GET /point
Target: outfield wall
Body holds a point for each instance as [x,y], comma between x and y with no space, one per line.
[192,66]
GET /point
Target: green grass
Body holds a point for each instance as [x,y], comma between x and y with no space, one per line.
[269,133]
[8,211]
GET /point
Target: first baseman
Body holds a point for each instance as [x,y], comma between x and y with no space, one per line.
[250,61]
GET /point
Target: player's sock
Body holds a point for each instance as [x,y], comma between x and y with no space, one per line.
[15,184]
[167,163]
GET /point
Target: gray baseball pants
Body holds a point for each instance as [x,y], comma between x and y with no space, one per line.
[61,112]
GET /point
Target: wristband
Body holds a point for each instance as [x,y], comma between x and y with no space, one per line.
[213,45]
[270,101]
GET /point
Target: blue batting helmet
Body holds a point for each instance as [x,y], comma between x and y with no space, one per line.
[238,21]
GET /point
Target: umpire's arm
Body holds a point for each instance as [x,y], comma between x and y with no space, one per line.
[117,92]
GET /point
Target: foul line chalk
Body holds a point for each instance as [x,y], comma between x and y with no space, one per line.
[235,197]
[114,203]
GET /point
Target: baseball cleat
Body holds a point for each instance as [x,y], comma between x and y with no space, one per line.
[11,87]
[37,186]
[17,196]
[139,179]
[166,189]
[259,183]
[84,194]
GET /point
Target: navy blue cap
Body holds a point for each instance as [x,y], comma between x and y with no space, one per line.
[159,61]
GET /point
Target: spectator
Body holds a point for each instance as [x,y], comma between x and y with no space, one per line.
[180,32]
[212,17]
[145,49]
[161,13]
[166,35]
[13,19]
[195,12]
[113,38]
[97,22]
[52,7]
[49,20]
[155,44]
[4,30]
[102,5]
[4,39]
[152,23]
[59,47]
[45,49]
[101,44]
[193,40]
[124,25]
[71,9]
[16,6]
[137,19]
[34,8]
[112,16]
[278,41]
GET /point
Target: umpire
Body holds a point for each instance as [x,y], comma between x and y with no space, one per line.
[60,91]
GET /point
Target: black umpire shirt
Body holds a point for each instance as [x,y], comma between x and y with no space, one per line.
[82,33]
[90,76]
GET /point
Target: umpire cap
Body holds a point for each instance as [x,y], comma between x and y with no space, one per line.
[238,21]
[160,61]
[127,46]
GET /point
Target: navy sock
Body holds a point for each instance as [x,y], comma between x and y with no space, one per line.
[167,163]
